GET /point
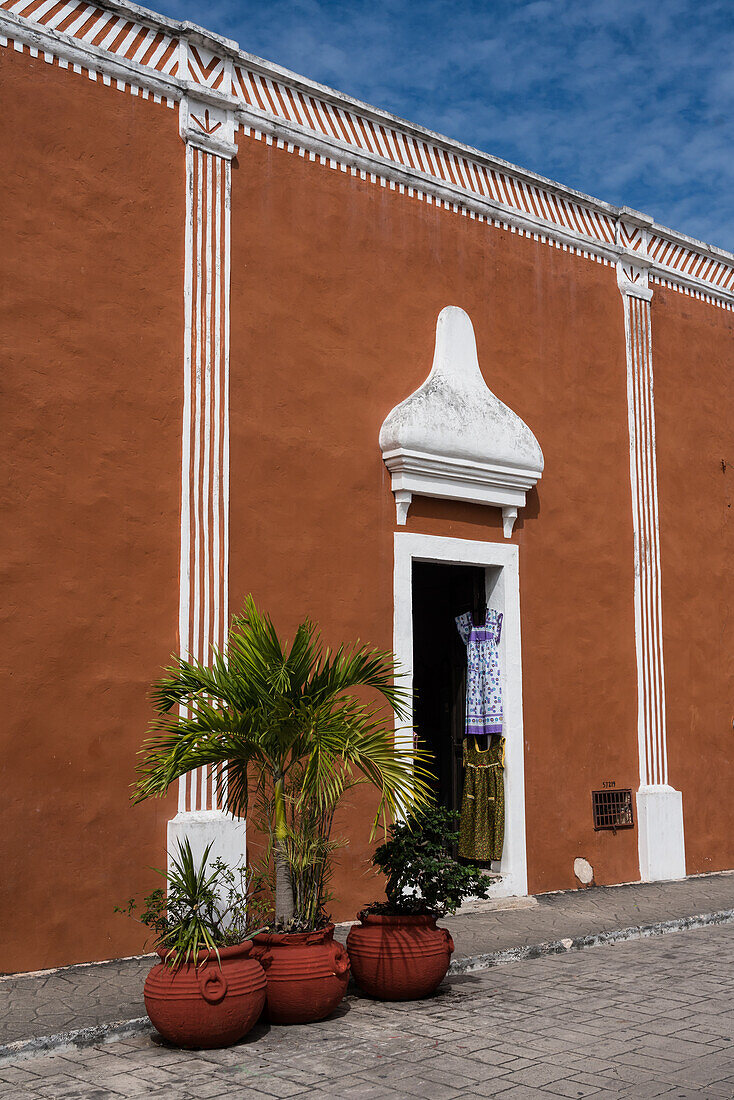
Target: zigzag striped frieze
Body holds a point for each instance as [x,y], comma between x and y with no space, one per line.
[120,35]
[687,261]
[418,154]
[175,59]
[121,85]
[423,196]
[701,295]
[631,237]
[208,70]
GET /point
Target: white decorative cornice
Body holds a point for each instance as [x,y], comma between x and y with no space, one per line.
[633,238]
[208,128]
[143,51]
[632,279]
[453,438]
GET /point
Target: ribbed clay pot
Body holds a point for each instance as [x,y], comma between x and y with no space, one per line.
[401,958]
[307,974]
[203,1006]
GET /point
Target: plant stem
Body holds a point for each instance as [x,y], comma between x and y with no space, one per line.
[284,906]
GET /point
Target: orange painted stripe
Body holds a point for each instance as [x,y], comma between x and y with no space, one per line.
[151,49]
[411,146]
[136,42]
[514,191]
[448,167]
[279,99]
[54,11]
[368,140]
[163,61]
[347,125]
[297,111]
[207,70]
[120,37]
[256,91]
[327,125]
[70,18]
[25,12]
[104,31]
[423,161]
[574,216]
[349,122]
[240,81]
[531,200]
[266,94]
[91,22]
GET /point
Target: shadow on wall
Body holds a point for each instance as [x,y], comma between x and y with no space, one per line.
[531,509]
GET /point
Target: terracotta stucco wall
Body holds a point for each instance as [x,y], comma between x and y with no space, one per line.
[694,402]
[336,286]
[91,290]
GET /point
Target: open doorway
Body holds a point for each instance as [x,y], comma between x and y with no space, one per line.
[440,593]
[440,574]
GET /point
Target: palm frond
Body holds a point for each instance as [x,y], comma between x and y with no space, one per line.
[349,669]
[186,680]
[206,738]
[345,741]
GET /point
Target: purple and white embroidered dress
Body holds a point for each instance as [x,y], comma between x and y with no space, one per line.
[483,681]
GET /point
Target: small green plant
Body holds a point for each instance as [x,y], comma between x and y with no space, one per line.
[204,907]
[422,875]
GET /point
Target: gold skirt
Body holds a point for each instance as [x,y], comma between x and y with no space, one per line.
[482,828]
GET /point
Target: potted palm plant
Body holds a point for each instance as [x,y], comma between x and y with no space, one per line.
[397,952]
[266,714]
[207,991]
[305,943]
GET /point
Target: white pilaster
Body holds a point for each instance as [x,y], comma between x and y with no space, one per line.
[225,833]
[208,133]
[659,807]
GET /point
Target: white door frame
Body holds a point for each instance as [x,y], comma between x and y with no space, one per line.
[503,592]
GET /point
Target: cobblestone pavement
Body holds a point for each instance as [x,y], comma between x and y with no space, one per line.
[81,996]
[641,1019]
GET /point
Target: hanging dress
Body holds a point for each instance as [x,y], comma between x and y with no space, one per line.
[483,682]
[482,825]
[482,822]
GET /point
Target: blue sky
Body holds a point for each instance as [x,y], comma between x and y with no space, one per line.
[631,101]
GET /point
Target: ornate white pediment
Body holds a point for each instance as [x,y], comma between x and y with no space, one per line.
[453,438]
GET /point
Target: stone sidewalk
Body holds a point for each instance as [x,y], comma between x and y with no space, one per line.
[593,915]
[646,1018]
[98,995]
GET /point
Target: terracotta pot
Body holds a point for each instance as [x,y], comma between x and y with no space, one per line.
[202,1006]
[307,974]
[401,958]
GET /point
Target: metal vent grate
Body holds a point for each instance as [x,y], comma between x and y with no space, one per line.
[612,809]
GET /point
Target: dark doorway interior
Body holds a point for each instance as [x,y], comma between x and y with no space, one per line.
[440,593]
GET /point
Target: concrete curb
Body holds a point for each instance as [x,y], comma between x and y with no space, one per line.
[124,1029]
[75,1038]
[473,963]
